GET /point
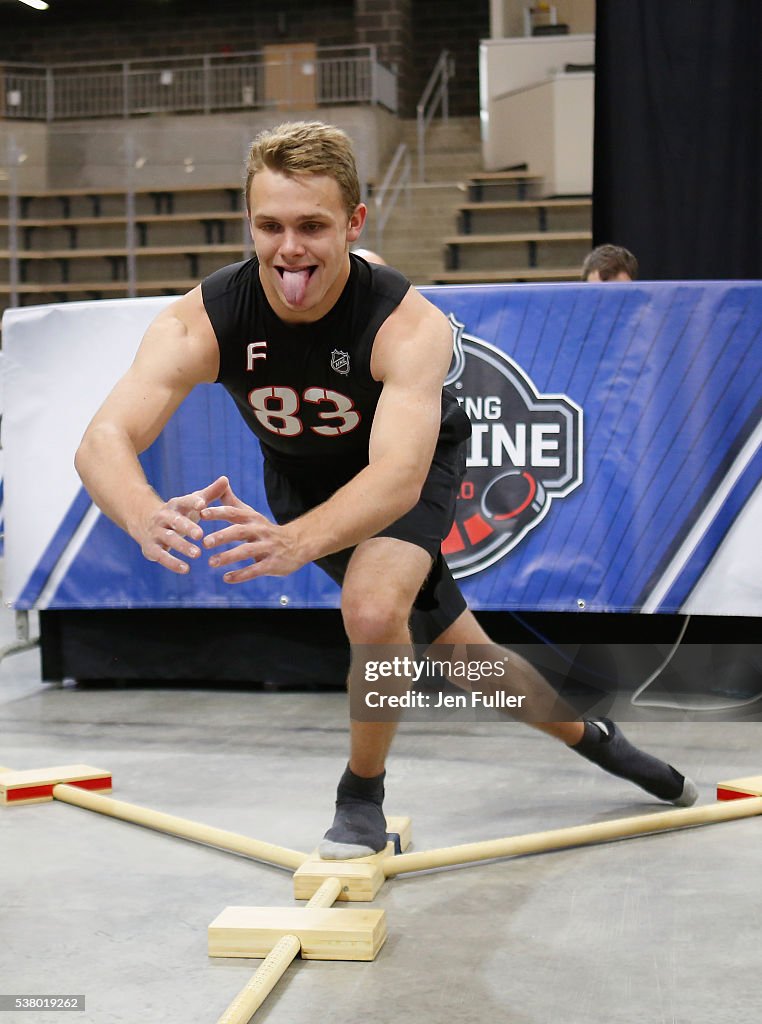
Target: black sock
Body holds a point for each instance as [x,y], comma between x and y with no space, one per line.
[356,787]
[359,826]
[604,744]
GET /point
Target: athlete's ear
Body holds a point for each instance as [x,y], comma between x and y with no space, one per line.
[356,222]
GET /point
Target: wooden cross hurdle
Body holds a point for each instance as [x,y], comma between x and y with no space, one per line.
[84,786]
[319,931]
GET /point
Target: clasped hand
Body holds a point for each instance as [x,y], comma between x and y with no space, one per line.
[250,536]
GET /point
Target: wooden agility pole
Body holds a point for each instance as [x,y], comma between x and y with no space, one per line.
[281,856]
[272,968]
[577,835]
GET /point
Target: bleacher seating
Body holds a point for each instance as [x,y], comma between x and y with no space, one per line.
[80,243]
[508,232]
[84,243]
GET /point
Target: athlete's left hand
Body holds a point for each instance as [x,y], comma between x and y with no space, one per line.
[254,537]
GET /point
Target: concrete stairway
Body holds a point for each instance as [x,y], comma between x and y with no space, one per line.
[464,225]
[412,238]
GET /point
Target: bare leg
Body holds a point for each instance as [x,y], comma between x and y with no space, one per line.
[569,733]
[382,580]
[599,740]
[523,678]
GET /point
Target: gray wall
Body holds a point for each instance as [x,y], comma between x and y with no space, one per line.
[29,141]
[166,151]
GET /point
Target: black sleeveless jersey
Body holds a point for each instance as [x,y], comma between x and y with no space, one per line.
[306,390]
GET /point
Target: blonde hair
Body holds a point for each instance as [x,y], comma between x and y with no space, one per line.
[306,147]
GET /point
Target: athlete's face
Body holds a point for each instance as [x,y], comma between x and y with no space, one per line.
[302,235]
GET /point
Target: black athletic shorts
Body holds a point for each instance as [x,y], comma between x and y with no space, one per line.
[439,601]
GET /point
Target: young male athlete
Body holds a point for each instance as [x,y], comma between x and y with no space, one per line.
[337,365]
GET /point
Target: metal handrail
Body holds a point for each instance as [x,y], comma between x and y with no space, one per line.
[207,82]
[361,49]
[384,209]
[435,93]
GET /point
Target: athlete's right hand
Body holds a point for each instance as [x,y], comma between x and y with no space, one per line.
[168,526]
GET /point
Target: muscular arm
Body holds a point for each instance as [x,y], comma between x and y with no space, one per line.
[411,356]
[178,351]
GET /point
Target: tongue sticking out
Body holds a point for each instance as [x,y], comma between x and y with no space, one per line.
[295,285]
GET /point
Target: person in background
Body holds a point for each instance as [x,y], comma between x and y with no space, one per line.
[610,263]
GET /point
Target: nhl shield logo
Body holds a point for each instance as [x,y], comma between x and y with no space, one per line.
[525,451]
[340,361]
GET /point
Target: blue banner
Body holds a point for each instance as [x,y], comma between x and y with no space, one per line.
[615,462]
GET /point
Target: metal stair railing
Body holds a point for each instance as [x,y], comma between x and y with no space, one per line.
[396,179]
[435,94]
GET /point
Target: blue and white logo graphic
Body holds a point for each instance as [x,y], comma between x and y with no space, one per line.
[525,451]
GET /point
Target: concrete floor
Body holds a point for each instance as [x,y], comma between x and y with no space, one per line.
[655,929]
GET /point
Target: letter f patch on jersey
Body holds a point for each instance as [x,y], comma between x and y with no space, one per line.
[255,350]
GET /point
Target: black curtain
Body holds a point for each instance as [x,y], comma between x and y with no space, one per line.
[678,136]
